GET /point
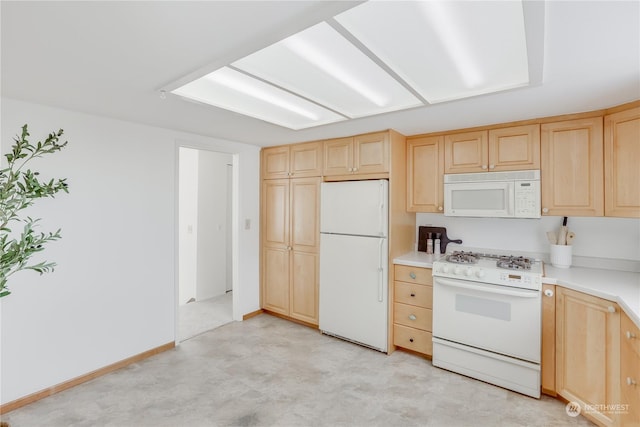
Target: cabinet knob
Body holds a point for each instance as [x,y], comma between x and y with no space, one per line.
[630,335]
[412,275]
[484,166]
[611,309]
[413,295]
[411,339]
[630,381]
[545,210]
[492,166]
[548,292]
[412,317]
[355,169]
[440,208]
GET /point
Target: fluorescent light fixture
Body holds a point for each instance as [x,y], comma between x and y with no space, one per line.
[320,64]
[232,90]
[377,57]
[445,50]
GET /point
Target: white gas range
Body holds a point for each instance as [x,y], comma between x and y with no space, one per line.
[486,318]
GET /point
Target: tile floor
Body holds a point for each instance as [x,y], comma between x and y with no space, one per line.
[271,372]
[197,317]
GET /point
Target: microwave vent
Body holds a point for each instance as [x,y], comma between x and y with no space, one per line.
[528,175]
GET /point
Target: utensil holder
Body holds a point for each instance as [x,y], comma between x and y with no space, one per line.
[560,256]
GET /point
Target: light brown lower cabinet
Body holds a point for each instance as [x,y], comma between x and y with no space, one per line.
[629,372]
[588,354]
[412,309]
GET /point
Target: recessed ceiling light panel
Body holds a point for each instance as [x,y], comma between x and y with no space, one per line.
[232,90]
[446,50]
[321,65]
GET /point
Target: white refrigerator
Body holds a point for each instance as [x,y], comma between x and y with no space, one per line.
[354,261]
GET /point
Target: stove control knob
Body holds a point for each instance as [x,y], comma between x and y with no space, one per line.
[469,272]
[445,268]
[480,274]
[458,271]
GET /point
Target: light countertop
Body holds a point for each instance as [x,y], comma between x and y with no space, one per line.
[622,287]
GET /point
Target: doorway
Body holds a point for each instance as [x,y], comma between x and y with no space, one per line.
[205,283]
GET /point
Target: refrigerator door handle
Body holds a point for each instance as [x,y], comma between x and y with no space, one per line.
[381,273]
[381,209]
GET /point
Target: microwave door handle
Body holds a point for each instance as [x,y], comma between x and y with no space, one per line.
[511,199]
[490,289]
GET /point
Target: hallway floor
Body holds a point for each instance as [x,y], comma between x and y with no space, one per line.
[197,317]
[271,372]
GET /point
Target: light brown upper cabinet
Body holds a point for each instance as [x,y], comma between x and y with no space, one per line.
[502,149]
[358,155]
[622,164]
[425,163]
[571,168]
[292,161]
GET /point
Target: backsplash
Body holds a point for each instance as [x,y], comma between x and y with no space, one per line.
[610,238]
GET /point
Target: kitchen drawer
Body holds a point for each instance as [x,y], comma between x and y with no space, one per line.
[410,293]
[410,315]
[630,334]
[413,339]
[408,274]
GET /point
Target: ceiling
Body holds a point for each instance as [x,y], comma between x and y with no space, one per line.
[113,58]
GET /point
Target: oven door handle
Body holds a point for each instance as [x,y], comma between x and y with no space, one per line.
[501,290]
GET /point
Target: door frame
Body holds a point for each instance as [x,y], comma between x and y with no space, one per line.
[235,222]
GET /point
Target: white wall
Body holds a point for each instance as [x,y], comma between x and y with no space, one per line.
[212,224]
[113,294]
[617,238]
[188,223]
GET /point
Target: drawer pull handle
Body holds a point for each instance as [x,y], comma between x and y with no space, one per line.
[413,295]
[630,381]
[611,309]
[412,317]
[630,335]
[411,339]
[412,275]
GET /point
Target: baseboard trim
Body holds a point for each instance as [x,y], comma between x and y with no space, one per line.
[23,401]
[252,314]
[291,319]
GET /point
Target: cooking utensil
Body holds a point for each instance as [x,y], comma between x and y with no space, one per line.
[570,236]
[562,235]
[551,236]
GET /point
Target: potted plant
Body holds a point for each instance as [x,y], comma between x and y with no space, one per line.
[19,188]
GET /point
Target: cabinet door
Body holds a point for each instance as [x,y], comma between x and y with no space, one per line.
[306,159]
[571,168]
[275,162]
[514,148]
[588,345]
[629,371]
[548,365]
[621,164]
[275,213]
[305,214]
[371,153]
[275,279]
[466,152]
[304,286]
[338,156]
[425,161]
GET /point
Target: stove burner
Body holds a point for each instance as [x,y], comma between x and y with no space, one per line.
[514,263]
[462,257]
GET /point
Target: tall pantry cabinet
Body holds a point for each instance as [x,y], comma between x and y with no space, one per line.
[290,230]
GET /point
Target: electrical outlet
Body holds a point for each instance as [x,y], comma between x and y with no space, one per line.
[247,224]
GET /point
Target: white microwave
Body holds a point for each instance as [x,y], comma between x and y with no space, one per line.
[514,194]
